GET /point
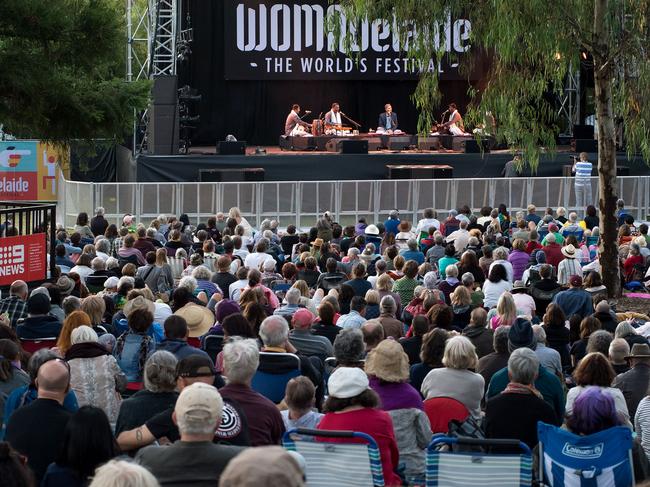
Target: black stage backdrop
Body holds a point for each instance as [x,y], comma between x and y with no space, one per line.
[255,110]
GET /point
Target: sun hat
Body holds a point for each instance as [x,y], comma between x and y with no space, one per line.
[139,303]
[372,230]
[347,382]
[199,319]
[639,350]
[317,243]
[65,285]
[388,362]
[519,286]
[569,251]
[404,226]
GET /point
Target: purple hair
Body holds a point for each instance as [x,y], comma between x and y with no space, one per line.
[593,411]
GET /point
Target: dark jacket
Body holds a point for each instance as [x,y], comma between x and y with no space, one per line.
[608,321]
[42,326]
[557,338]
[98,225]
[412,347]
[383,118]
[481,338]
[179,348]
[634,385]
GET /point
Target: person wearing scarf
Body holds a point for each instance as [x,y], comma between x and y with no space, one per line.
[514,413]
[95,376]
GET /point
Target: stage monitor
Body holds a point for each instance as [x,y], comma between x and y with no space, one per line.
[244,174]
[343,146]
[237,148]
[472,146]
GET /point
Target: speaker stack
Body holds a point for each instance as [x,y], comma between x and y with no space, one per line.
[162,129]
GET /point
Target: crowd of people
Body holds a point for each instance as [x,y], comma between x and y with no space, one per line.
[147,358]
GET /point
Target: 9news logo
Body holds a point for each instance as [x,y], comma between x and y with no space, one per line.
[12,259]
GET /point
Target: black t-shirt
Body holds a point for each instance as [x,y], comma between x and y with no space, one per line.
[224,280]
[287,242]
[233,429]
[142,406]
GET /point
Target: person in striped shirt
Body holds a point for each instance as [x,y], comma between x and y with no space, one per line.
[582,169]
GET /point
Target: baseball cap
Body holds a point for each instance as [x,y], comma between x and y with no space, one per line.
[195,366]
[302,317]
[199,402]
[346,382]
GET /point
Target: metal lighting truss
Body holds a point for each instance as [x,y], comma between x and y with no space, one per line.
[569,99]
[152,30]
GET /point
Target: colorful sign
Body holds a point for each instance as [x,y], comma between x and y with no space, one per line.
[29,171]
[23,258]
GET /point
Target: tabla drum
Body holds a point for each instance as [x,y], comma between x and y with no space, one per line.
[317,127]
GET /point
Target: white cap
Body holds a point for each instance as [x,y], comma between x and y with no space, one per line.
[346,382]
[199,402]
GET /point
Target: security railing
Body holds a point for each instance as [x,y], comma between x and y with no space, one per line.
[301,202]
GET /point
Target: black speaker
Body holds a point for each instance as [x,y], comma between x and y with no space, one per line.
[622,170]
[231,175]
[237,148]
[343,146]
[165,90]
[472,146]
[586,145]
[162,129]
[583,131]
[420,172]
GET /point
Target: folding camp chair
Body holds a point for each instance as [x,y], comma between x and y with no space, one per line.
[442,410]
[466,468]
[31,346]
[273,385]
[603,459]
[356,463]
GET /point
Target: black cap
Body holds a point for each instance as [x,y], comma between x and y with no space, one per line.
[38,304]
[195,366]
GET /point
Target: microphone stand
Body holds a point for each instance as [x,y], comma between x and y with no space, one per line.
[350,120]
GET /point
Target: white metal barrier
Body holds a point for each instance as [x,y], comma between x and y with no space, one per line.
[301,202]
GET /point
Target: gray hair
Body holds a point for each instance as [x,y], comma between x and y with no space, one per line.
[124,280]
[500,253]
[41,290]
[353,251]
[38,358]
[118,473]
[202,272]
[349,347]
[112,263]
[181,253]
[98,264]
[618,350]
[293,296]
[274,331]
[189,283]
[83,334]
[412,244]
[240,360]
[599,341]
[160,372]
[624,329]
[500,339]
[523,366]
[540,334]
[70,304]
[151,232]
[102,245]
[388,305]
[468,279]
[451,271]
[99,210]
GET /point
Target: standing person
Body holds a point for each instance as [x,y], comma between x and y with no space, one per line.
[388,119]
[582,169]
[293,120]
[512,168]
[98,224]
[37,430]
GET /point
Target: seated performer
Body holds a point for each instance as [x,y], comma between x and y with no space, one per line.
[294,120]
[454,125]
[333,117]
[387,120]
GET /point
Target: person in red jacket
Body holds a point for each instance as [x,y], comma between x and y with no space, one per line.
[353,406]
[553,251]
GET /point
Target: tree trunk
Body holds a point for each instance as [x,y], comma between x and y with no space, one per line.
[606,154]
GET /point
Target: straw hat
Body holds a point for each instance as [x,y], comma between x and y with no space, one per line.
[388,362]
[318,243]
[199,319]
[404,226]
[569,251]
[640,241]
[65,285]
[139,303]
[639,350]
[372,230]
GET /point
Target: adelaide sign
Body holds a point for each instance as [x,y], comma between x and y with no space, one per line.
[23,258]
[29,171]
[290,40]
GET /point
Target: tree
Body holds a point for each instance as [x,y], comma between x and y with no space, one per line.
[62,74]
[532,45]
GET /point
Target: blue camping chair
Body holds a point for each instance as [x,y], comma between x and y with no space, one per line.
[212,345]
[348,464]
[603,459]
[465,468]
[273,385]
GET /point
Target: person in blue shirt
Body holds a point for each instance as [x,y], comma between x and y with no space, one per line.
[359,283]
[412,252]
[575,300]
[175,342]
[391,224]
[531,216]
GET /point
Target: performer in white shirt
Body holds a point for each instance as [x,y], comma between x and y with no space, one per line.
[454,124]
[294,120]
[333,117]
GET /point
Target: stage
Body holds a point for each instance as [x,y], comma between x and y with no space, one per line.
[281,165]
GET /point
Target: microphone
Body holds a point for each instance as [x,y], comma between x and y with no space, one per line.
[320,115]
[307,112]
[343,114]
